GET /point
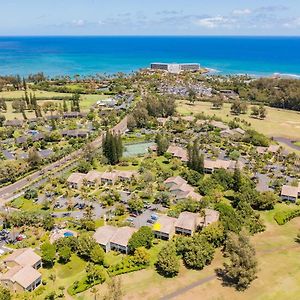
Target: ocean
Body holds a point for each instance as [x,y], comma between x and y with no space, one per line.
[260,56]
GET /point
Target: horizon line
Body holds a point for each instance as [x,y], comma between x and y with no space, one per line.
[157,36]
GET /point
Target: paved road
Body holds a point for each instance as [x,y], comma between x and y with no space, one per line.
[7,192]
[287,142]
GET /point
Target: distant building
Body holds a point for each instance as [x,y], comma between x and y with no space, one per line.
[175,68]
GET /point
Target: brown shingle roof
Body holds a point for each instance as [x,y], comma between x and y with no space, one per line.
[104,234]
[290,191]
[23,257]
[165,224]
[123,235]
[93,176]
[26,276]
[76,178]
[178,180]
[187,220]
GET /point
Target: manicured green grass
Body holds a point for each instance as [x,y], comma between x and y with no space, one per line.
[112,258]
[25,204]
[65,275]
[39,94]
[86,101]
[278,123]
[297,144]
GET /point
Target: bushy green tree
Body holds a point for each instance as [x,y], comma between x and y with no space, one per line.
[241,268]
[195,159]
[48,253]
[85,245]
[97,254]
[135,204]
[142,238]
[199,253]
[141,256]
[95,273]
[64,254]
[214,234]
[162,144]
[265,201]
[4,293]
[167,261]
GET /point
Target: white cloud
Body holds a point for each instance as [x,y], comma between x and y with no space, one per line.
[294,23]
[242,12]
[214,22]
[79,22]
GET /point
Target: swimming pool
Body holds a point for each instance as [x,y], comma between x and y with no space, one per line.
[68,234]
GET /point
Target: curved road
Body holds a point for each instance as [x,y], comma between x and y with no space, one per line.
[287,142]
[8,192]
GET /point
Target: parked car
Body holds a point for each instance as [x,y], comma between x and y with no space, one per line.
[133,215]
[150,221]
[154,217]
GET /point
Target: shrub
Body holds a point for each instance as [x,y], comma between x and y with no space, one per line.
[284,216]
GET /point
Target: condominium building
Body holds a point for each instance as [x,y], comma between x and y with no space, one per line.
[175,68]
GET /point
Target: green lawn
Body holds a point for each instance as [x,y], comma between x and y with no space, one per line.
[278,276]
[86,101]
[65,275]
[278,123]
[297,144]
[25,204]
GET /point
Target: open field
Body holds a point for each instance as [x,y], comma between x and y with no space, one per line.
[278,278]
[86,101]
[278,123]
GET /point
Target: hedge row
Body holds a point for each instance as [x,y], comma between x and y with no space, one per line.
[82,286]
[284,216]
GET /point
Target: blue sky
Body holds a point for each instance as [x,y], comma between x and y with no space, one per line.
[155,17]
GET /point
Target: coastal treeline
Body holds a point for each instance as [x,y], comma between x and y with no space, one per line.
[275,92]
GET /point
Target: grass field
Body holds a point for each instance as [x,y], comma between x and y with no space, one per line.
[86,101]
[278,123]
[278,277]
[297,144]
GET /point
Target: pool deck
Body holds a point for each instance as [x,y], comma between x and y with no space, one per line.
[60,233]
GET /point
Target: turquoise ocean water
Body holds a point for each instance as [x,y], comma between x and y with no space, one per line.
[90,55]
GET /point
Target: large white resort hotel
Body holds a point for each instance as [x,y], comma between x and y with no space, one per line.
[175,68]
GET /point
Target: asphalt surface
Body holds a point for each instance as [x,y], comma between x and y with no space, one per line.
[287,142]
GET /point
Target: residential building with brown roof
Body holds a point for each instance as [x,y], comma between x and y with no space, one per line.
[211,216]
[164,227]
[21,270]
[187,223]
[23,257]
[126,175]
[75,180]
[290,193]
[120,239]
[93,177]
[103,235]
[211,165]
[174,181]
[109,177]
[178,152]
